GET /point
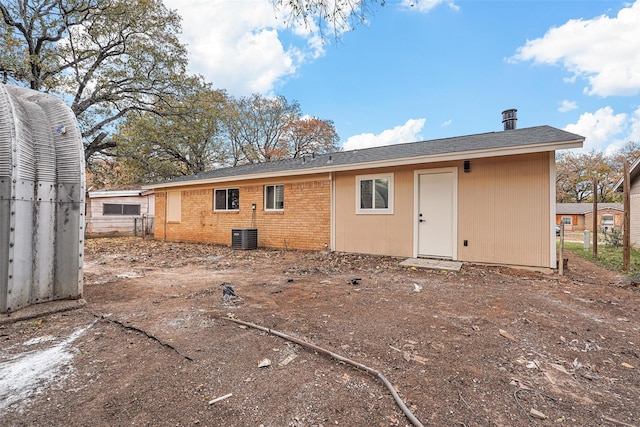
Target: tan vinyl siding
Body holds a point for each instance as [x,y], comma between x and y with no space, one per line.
[634,235]
[634,196]
[504,211]
[380,234]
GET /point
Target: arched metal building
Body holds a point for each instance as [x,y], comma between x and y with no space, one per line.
[42,196]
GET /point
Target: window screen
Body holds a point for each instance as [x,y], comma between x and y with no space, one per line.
[274,197]
[374,193]
[227,199]
[120,209]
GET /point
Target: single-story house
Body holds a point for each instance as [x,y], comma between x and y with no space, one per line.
[119,212]
[484,198]
[579,216]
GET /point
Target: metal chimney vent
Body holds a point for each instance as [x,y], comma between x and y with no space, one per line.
[509,118]
[42,195]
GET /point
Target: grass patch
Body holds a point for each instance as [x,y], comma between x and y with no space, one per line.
[609,257]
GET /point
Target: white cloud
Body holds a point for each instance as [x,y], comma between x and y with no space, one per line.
[446,123]
[567,105]
[409,132]
[631,132]
[238,46]
[240,50]
[604,50]
[428,5]
[602,129]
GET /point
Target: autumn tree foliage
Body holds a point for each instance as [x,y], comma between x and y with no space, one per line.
[256,125]
[263,129]
[309,135]
[575,172]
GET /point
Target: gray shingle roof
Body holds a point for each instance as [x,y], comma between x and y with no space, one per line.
[342,159]
[634,173]
[584,208]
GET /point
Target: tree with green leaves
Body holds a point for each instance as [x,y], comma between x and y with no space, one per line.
[122,69]
[187,140]
[108,58]
[209,129]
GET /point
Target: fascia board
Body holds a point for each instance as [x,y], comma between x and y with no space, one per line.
[430,158]
[117,193]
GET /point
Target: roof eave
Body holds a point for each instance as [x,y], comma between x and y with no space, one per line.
[115,193]
[632,175]
[430,158]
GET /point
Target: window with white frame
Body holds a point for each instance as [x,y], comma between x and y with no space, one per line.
[608,220]
[567,220]
[226,199]
[374,194]
[274,197]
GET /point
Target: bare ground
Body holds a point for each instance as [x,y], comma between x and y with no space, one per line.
[482,347]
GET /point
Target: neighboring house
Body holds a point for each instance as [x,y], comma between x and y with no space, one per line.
[634,205]
[118,211]
[579,216]
[485,198]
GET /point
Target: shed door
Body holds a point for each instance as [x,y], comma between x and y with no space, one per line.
[436,215]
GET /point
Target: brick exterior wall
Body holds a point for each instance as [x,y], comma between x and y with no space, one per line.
[618,218]
[305,222]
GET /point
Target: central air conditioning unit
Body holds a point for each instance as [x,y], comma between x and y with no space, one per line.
[244,238]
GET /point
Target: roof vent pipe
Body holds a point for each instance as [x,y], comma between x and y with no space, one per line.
[509,118]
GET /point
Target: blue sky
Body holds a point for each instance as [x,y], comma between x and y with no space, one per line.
[438,69]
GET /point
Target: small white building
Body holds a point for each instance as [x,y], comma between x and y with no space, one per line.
[120,212]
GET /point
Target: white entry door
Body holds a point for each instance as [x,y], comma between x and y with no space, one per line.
[436,215]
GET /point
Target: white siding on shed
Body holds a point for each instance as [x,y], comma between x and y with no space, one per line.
[100,223]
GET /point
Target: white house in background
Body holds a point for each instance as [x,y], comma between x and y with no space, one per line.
[119,212]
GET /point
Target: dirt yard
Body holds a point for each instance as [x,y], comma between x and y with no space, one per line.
[487,346]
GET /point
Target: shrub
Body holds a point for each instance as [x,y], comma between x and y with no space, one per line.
[613,238]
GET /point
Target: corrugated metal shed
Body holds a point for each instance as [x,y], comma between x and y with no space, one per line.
[42,190]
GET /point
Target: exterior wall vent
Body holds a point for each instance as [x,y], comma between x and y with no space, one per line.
[42,196]
[509,118]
